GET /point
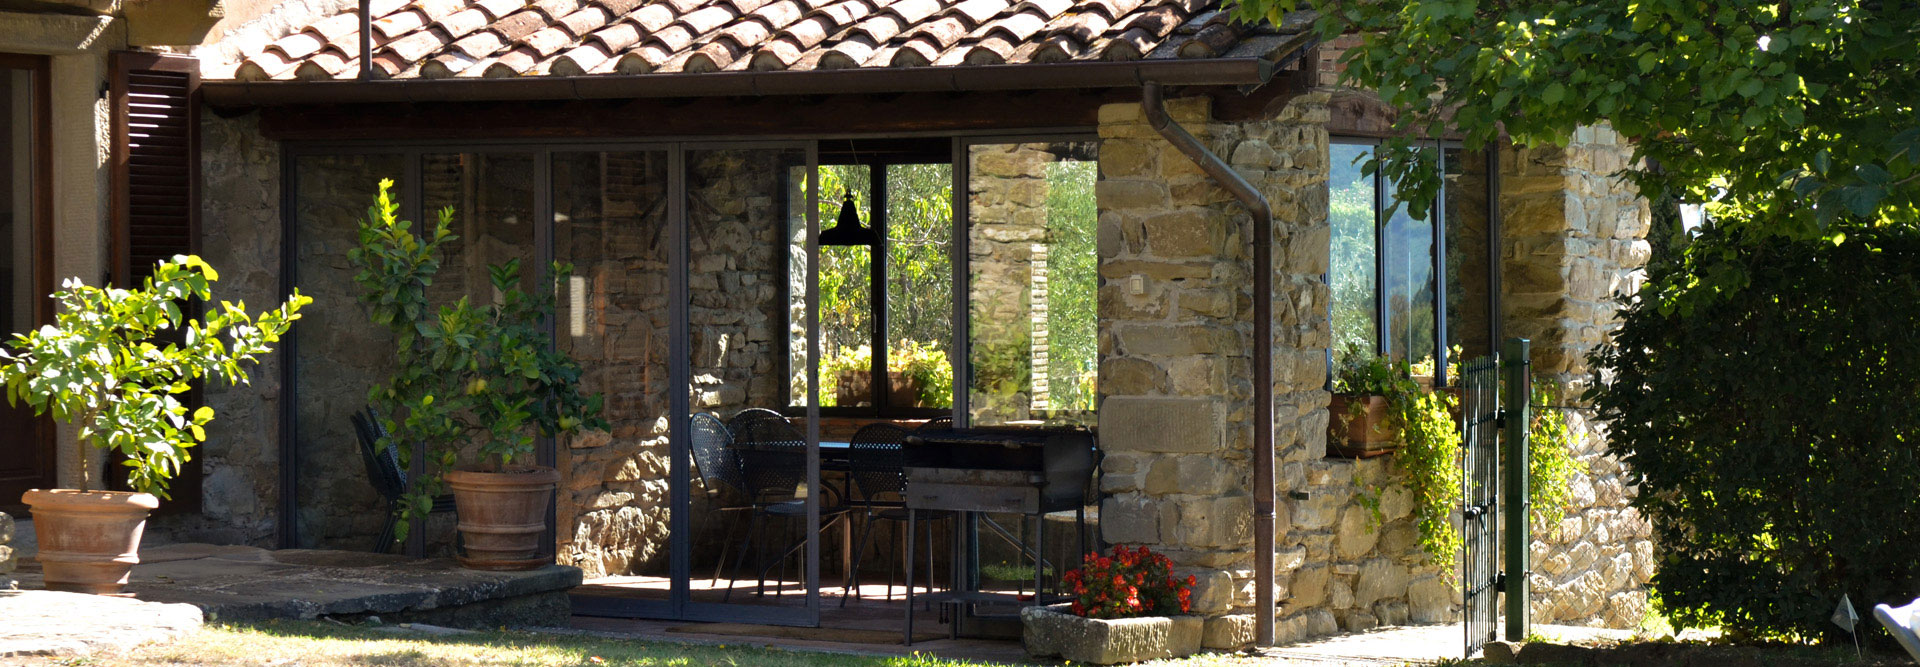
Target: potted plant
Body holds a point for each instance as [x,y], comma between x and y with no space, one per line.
[470,379]
[1127,607]
[1366,387]
[113,364]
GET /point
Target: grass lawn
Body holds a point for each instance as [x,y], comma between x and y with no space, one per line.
[318,644]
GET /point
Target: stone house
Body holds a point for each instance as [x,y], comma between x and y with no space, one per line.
[676,153]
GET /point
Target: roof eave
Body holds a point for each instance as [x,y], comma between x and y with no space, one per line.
[1244,72]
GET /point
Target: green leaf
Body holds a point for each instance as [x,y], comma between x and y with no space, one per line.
[1553,94]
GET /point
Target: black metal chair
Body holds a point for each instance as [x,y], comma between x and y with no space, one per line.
[877,466]
[745,419]
[718,471]
[384,471]
[773,465]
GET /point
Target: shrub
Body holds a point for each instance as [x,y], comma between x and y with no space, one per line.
[1771,428]
[106,365]
[1131,583]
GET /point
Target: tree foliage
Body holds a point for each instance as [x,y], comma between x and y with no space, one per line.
[1772,431]
[1791,115]
[106,366]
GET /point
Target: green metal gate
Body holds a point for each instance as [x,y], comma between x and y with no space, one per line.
[1493,495]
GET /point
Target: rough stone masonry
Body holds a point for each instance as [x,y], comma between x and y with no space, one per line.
[1175,323]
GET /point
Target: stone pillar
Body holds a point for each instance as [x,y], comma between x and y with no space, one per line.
[1573,237]
[1175,328]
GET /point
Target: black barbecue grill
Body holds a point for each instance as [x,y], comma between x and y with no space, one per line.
[1003,470]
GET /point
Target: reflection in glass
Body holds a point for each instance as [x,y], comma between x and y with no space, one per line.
[1033,284]
[610,223]
[340,354]
[1351,208]
[1468,255]
[747,544]
[1410,284]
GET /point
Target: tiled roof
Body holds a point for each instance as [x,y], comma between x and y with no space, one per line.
[510,38]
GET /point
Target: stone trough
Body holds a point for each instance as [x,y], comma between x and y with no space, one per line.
[237,583]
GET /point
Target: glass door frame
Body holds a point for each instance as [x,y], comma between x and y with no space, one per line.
[680,380]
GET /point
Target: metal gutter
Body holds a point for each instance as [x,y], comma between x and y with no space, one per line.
[1250,71]
[1154,103]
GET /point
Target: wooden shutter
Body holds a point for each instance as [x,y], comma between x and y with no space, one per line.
[156,203]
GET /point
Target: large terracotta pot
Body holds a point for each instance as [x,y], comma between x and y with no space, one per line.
[502,515]
[1363,432]
[89,540]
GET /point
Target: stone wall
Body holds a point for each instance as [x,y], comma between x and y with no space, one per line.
[1574,236]
[7,560]
[1354,572]
[1175,323]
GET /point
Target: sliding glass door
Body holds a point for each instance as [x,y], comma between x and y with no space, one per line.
[677,305]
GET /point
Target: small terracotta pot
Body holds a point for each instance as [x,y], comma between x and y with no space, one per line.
[89,540]
[502,515]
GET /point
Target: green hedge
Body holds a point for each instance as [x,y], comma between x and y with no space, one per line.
[1772,428]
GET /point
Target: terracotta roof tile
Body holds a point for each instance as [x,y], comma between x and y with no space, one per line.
[492,38]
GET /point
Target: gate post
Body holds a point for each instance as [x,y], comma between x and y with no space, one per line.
[1518,417]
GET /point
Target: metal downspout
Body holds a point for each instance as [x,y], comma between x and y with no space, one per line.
[1154,104]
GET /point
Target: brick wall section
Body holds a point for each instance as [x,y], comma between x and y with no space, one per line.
[1574,236]
[1175,370]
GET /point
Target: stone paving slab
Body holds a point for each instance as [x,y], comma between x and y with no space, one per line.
[50,623]
[238,583]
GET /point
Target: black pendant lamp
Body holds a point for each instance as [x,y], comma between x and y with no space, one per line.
[847,229]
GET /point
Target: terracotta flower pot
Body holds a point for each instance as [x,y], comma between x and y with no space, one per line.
[89,540]
[502,515]
[1362,434]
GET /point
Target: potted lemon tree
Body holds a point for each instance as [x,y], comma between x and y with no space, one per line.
[104,366]
[473,383]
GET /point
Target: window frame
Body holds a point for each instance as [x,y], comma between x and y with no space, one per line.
[1382,200]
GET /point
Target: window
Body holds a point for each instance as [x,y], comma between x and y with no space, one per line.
[1402,285]
[886,314]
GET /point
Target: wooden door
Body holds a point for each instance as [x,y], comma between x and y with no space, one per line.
[26,441]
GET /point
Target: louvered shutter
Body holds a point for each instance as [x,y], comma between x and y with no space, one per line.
[156,203]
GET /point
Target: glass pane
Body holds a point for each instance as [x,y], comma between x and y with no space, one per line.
[492,199]
[748,547]
[1032,283]
[1469,258]
[610,223]
[920,283]
[1351,206]
[340,353]
[16,143]
[1408,268]
[26,459]
[846,290]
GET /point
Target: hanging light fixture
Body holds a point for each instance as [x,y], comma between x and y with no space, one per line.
[847,229]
